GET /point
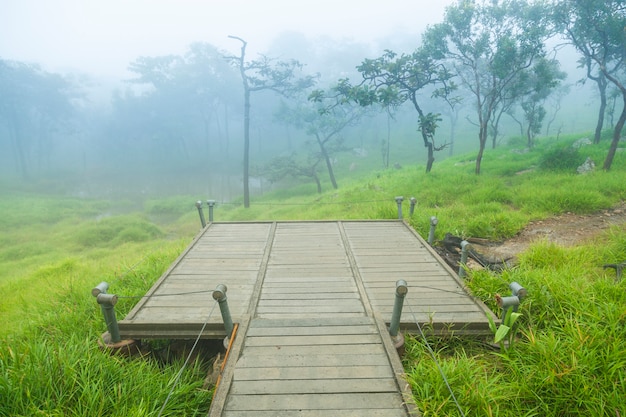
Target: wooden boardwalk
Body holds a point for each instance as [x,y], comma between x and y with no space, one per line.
[312,300]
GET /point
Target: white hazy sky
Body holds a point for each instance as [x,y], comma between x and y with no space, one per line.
[103,36]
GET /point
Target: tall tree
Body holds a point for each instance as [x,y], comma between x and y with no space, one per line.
[490,43]
[596,29]
[391,80]
[32,101]
[180,99]
[534,87]
[324,122]
[263,74]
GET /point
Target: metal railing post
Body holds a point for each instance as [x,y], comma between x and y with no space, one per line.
[201,213]
[506,303]
[618,269]
[413,204]
[431,233]
[219,295]
[465,247]
[107,303]
[518,291]
[401,290]
[399,200]
[211,204]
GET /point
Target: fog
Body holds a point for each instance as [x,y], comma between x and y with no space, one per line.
[137,98]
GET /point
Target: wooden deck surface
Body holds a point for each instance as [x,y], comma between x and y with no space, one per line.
[313,300]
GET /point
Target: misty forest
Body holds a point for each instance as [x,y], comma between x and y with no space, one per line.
[504,116]
[227,124]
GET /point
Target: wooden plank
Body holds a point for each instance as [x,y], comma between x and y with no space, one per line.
[329,296]
[318,372]
[356,401]
[264,361]
[319,316]
[313,289]
[316,413]
[344,349]
[315,302]
[354,308]
[302,283]
[313,386]
[310,322]
[313,340]
[310,331]
[221,391]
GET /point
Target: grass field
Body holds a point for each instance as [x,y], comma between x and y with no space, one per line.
[568,359]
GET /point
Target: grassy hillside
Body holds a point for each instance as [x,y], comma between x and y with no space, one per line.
[569,357]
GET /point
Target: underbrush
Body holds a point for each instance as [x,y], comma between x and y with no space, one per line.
[569,356]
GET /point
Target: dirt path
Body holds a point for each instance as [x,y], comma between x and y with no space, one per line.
[567,230]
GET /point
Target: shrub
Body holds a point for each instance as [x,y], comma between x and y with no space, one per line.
[561,159]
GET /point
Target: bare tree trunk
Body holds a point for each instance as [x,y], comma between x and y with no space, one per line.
[601,80]
[482,138]
[329,165]
[617,134]
[246,149]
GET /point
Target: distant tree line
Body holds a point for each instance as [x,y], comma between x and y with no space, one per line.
[486,59]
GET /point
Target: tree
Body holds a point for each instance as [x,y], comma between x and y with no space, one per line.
[289,165]
[323,119]
[32,103]
[596,29]
[490,43]
[393,79]
[178,105]
[263,74]
[534,87]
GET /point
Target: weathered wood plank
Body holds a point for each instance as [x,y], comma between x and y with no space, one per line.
[303,310]
[310,322]
[264,361]
[355,401]
[313,289]
[319,316]
[344,349]
[313,340]
[310,331]
[319,413]
[308,296]
[314,386]
[316,302]
[318,372]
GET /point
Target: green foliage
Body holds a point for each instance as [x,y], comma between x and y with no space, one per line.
[505,333]
[561,159]
[114,231]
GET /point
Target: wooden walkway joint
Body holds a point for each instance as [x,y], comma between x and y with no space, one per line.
[312,300]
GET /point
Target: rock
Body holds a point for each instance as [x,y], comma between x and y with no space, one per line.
[581,142]
[586,167]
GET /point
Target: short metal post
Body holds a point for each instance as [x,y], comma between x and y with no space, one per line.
[413,204]
[518,291]
[399,200]
[401,290]
[201,213]
[211,204]
[107,303]
[431,233]
[220,296]
[506,303]
[465,247]
[618,269]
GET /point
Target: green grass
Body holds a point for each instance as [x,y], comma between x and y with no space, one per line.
[568,360]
